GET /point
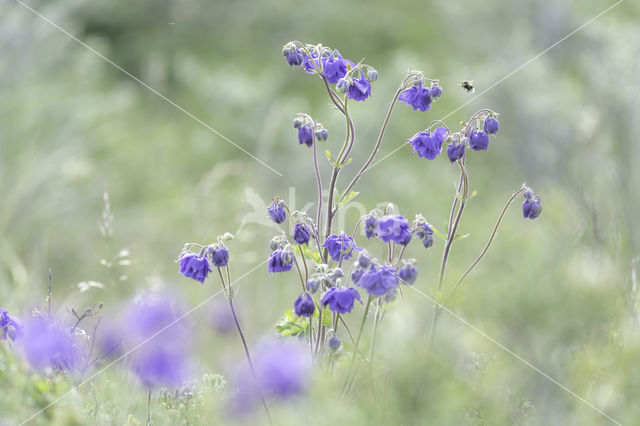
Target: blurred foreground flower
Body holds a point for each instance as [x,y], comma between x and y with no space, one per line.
[47,344]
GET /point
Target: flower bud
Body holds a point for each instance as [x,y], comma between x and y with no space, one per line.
[337,273]
[297,122]
[436,91]
[391,295]
[491,125]
[334,343]
[313,285]
[220,256]
[342,85]
[372,74]
[322,134]
[364,261]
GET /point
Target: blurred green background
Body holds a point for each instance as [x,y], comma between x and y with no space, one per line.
[560,291]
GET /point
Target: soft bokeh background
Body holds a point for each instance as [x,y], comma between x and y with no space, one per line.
[559,291]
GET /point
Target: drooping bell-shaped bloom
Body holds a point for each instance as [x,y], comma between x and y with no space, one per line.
[276,211]
[280,260]
[428,144]
[304,306]
[341,299]
[417,97]
[301,233]
[339,246]
[408,274]
[10,327]
[194,266]
[455,151]
[491,125]
[379,281]
[360,89]
[220,256]
[334,67]
[394,228]
[305,135]
[531,208]
[478,140]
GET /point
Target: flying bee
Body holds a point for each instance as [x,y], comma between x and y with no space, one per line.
[468,86]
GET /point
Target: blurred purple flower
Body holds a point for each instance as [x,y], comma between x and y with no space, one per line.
[379,281]
[48,344]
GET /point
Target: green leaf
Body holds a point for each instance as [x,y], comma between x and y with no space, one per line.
[438,233]
[460,237]
[330,159]
[308,253]
[292,325]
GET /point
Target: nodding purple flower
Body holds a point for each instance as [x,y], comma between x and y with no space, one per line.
[408,274]
[282,370]
[276,211]
[305,135]
[436,92]
[340,299]
[48,344]
[394,228]
[370,226]
[194,266]
[301,233]
[304,306]
[220,256]
[313,285]
[10,327]
[322,134]
[339,246]
[455,151]
[357,273]
[334,67]
[155,328]
[293,56]
[425,233]
[491,125]
[531,208]
[428,144]
[379,281]
[359,89]
[334,343]
[417,97]
[478,140]
[363,260]
[280,260]
[312,66]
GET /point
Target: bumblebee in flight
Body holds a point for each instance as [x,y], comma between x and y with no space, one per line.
[468,86]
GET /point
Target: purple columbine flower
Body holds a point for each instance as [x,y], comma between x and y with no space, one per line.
[360,89]
[491,125]
[10,327]
[379,281]
[417,97]
[455,151]
[339,246]
[363,260]
[531,208]
[194,266]
[276,211]
[301,233]
[293,56]
[408,274]
[305,135]
[425,233]
[428,144]
[322,134]
[220,256]
[394,228]
[334,67]
[311,66]
[280,260]
[478,140]
[304,306]
[48,344]
[370,226]
[357,273]
[340,299]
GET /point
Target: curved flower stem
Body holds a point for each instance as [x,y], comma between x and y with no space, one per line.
[149,409]
[464,180]
[493,234]
[295,259]
[376,146]
[355,349]
[244,342]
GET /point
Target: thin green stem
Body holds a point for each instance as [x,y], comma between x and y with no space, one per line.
[493,234]
[355,350]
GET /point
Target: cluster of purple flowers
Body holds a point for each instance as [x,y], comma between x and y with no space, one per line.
[350,78]
[197,266]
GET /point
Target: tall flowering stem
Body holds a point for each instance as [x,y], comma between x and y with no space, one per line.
[227,290]
[493,234]
[349,379]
